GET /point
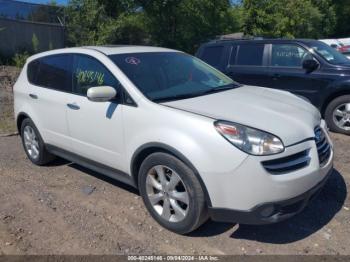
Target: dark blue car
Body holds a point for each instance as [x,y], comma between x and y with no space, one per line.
[305,67]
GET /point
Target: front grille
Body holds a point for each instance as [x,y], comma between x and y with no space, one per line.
[287,164]
[323,147]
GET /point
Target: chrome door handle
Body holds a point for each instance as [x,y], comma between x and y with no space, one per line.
[33,96]
[73,106]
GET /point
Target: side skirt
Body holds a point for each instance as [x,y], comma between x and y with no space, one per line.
[93,165]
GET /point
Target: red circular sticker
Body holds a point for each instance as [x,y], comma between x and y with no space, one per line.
[132,60]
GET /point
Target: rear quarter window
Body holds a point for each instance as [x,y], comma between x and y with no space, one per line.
[212,55]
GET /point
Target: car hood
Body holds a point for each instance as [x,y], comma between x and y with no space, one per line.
[278,112]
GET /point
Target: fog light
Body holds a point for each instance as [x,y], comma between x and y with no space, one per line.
[267,211]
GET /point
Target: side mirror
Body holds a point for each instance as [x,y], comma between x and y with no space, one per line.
[101,93]
[310,65]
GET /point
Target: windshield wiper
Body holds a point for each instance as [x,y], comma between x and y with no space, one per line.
[177,97]
[222,88]
[206,92]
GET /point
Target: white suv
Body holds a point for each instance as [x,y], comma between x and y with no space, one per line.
[195,143]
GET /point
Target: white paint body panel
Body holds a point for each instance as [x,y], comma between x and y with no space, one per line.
[111,135]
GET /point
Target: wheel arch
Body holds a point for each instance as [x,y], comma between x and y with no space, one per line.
[332,96]
[19,120]
[145,150]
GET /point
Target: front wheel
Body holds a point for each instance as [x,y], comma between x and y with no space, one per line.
[337,115]
[172,193]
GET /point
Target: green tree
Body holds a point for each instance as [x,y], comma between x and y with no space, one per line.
[84,20]
[92,22]
[342,9]
[184,24]
[284,18]
[127,29]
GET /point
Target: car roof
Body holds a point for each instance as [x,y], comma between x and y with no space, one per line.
[106,49]
[124,49]
[263,40]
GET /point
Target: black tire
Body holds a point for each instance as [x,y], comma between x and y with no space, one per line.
[44,156]
[329,114]
[197,210]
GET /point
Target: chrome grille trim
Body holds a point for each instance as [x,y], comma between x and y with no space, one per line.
[287,164]
[323,146]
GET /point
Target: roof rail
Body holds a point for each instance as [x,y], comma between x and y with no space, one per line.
[237,36]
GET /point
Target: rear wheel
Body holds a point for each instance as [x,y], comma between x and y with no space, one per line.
[172,193]
[338,115]
[33,144]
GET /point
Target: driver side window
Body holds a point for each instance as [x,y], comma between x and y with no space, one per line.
[288,55]
[88,72]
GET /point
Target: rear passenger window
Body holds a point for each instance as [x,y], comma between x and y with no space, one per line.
[250,54]
[88,72]
[55,72]
[212,55]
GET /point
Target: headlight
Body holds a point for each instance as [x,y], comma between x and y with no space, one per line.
[250,140]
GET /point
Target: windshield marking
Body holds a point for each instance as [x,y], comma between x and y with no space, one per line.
[132,60]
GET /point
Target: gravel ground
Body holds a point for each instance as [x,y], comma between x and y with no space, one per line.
[66,209]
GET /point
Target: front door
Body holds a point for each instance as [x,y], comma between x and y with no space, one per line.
[287,73]
[95,128]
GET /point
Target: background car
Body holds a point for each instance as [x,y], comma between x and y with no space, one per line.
[341,46]
[332,43]
[308,68]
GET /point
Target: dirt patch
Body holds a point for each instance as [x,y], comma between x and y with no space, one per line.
[8,77]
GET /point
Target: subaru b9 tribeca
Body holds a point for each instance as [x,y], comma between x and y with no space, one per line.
[194,142]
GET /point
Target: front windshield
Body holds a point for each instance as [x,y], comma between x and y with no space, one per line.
[329,53]
[166,76]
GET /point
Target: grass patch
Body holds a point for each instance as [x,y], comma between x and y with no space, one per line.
[8,76]
[7,122]
[7,125]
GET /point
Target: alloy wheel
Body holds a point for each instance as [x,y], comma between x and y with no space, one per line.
[341,116]
[167,193]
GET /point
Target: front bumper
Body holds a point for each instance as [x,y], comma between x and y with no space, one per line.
[271,212]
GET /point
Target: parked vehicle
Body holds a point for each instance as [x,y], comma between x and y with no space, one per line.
[344,41]
[308,68]
[195,143]
[338,45]
[332,43]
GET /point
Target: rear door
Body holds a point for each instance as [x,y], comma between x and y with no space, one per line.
[50,84]
[248,64]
